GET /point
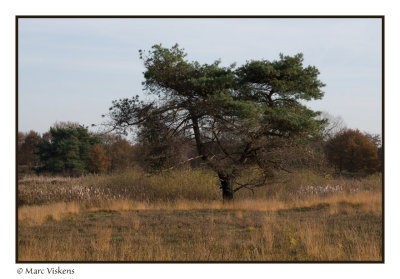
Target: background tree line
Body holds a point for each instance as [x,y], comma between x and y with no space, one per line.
[70,149]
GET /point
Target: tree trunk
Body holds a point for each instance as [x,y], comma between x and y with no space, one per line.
[227,183]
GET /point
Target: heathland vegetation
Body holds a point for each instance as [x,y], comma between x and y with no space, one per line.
[179,216]
[296,186]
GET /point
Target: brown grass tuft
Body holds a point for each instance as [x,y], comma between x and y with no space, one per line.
[41,213]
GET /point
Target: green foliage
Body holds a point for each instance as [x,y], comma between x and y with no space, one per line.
[286,77]
[67,151]
[234,116]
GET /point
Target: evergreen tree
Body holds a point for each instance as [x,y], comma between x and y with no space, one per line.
[66,151]
[235,117]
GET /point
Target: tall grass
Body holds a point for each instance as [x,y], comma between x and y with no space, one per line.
[134,185]
[196,185]
[337,203]
[179,216]
[305,234]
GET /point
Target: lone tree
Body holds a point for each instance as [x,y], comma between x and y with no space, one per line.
[237,118]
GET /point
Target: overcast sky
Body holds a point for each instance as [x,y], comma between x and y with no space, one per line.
[71,69]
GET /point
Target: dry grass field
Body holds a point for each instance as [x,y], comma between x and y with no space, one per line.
[179,216]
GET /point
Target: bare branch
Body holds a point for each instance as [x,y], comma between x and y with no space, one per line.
[243,186]
[183,162]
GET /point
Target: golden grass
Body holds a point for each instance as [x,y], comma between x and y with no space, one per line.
[367,202]
[205,235]
[196,185]
[41,213]
[180,217]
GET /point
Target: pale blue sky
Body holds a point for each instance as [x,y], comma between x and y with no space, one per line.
[71,69]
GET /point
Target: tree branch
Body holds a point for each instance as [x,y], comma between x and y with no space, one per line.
[183,162]
[243,186]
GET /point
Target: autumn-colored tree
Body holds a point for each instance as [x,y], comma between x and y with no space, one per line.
[353,151]
[98,160]
[20,140]
[27,148]
[121,152]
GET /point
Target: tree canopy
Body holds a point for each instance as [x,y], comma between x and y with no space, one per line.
[27,148]
[236,117]
[67,150]
[354,151]
[120,152]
